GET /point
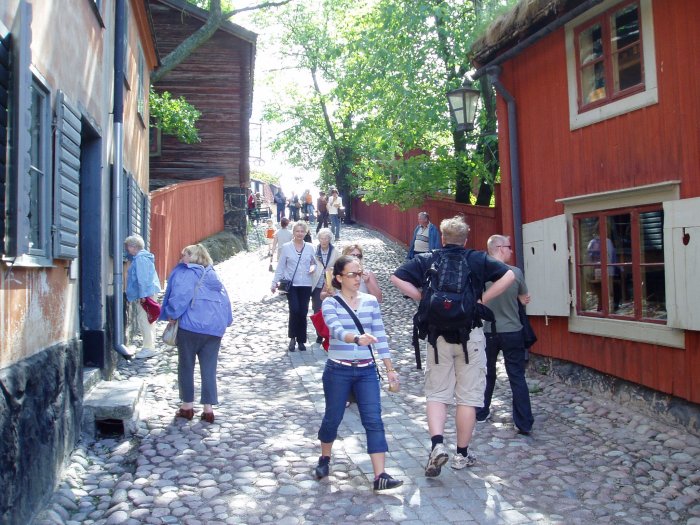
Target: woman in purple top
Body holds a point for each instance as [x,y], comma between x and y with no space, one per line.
[351,367]
[197,298]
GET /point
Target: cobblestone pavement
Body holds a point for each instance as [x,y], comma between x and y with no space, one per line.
[587,460]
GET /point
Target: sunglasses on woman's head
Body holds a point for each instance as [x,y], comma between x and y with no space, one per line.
[356,255]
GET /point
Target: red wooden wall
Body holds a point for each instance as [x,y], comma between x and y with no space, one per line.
[184,214]
[399,225]
[654,144]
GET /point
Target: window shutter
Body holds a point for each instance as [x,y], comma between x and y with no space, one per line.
[4,106]
[18,183]
[66,179]
[135,208]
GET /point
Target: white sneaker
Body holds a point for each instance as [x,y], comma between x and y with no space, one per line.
[145,353]
[459,461]
[438,457]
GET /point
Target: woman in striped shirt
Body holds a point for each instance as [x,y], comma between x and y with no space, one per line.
[351,367]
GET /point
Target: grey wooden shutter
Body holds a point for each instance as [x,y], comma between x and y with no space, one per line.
[66,179]
[18,183]
[135,226]
[4,107]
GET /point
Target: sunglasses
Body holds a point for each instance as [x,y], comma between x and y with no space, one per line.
[356,255]
[352,275]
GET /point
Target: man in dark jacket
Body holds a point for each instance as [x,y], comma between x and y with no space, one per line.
[455,368]
[280,201]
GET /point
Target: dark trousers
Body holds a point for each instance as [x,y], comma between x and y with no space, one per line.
[280,212]
[298,300]
[322,220]
[511,343]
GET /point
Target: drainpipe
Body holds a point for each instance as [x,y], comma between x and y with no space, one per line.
[117,190]
[493,73]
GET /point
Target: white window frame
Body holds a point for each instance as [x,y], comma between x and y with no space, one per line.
[647,97]
[643,332]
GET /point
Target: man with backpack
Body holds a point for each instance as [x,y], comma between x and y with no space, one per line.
[449,283]
[509,338]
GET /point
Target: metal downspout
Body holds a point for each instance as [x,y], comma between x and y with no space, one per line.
[493,73]
[117,190]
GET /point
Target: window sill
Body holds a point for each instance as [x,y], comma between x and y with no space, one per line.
[29,261]
[629,330]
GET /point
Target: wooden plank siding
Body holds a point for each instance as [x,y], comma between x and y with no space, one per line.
[650,145]
[217,80]
[399,225]
[184,214]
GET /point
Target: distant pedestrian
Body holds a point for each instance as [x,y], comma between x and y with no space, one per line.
[197,299]
[351,367]
[335,204]
[280,201]
[426,237]
[322,210]
[456,358]
[141,283]
[509,339]
[281,237]
[326,255]
[296,264]
[294,207]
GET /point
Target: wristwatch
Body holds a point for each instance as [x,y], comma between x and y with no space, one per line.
[357,339]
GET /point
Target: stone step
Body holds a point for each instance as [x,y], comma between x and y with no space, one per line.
[114,404]
[91,378]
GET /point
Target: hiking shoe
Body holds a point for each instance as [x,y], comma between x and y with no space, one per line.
[386,482]
[438,457]
[459,461]
[323,467]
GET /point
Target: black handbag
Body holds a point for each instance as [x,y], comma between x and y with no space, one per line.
[284,285]
[529,337]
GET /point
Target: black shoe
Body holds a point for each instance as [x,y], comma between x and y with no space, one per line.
[302,347]
[386,482]
[323,467]
[292,344]
[319,340]
[523,432]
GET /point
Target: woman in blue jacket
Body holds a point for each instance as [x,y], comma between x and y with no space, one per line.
[197,298]
[141,282]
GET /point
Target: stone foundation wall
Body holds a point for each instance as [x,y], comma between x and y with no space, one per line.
[40,414]
[651,402]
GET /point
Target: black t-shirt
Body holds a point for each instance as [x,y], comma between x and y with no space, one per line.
[483,267]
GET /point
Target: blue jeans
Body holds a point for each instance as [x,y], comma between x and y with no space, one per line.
[191,346]
[335,226]
[511,343]
[338,382]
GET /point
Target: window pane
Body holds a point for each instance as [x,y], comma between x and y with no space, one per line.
[653,292]
[590,44]
[35,129]
[651,233]
[589,264]
[619,259]
[626,50]
[35,181]
[621,291]
[593,83]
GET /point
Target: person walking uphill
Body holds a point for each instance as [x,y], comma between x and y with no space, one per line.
[357,333]
[509,338]
[295,268]
[456,358]
[141,283]
[197,299]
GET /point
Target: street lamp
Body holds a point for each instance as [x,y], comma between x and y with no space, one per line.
[463,103]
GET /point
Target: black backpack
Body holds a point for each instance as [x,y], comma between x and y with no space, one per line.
[448,302]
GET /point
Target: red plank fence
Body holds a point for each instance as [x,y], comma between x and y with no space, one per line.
[399,225]
[184,214]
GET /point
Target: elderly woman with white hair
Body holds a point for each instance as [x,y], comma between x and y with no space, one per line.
[326,255]
[141,282]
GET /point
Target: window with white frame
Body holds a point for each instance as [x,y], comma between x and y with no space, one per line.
[39,171]
[611,65]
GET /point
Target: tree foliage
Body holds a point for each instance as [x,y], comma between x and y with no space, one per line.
[175,117]
[374,115]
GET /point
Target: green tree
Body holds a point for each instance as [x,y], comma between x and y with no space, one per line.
[175,117]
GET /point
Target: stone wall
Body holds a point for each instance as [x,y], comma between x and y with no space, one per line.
[651,402]
[40,413]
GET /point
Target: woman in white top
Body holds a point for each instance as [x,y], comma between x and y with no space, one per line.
[296,264]
[334,204]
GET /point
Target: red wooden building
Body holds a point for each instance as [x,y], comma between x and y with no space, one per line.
[217,78]
[599,102]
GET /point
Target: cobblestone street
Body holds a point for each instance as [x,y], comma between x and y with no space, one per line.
[586,461]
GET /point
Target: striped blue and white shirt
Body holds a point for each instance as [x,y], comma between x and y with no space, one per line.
[340,324]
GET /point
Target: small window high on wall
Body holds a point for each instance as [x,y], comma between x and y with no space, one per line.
[620,264]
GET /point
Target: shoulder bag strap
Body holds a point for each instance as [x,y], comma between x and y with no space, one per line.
[291,281]
[358,324]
